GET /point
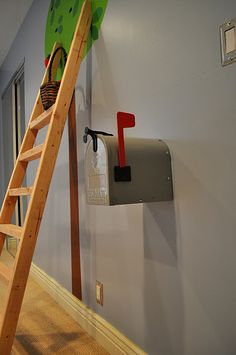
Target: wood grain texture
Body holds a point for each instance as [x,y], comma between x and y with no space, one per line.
[11,230]
[42,120]
[45,328]
[74,203]
[32,154]
[21,191]
[5,273]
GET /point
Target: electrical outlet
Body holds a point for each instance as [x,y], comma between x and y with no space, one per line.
[99,292]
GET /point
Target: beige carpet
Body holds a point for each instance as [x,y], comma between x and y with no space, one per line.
[45,328]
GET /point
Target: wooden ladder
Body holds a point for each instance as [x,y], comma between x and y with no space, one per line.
[46,153]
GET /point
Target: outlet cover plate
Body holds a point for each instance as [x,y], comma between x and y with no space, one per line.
[99,293]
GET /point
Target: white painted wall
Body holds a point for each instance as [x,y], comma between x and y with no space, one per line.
[168,268]
[11,17]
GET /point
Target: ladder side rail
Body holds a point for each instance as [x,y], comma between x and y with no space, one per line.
[56,126]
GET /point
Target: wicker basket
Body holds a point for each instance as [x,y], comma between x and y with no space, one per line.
[49,90]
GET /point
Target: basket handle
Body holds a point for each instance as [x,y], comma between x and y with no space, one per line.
[53,57]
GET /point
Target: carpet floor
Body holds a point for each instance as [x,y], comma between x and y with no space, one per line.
[45,328]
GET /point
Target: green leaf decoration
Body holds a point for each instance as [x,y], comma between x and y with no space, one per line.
[52,17]
[62,20]
[97,14]
[60,29]
[76,7]
[94,31]
[57,4]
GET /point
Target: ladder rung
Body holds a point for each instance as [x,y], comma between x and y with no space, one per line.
[21,191]
[42,120]
[11,229]
[32,154]
[5,273]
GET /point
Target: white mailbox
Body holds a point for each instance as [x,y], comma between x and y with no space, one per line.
[149,177]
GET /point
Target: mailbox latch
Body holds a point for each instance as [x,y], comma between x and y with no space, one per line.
[93,134]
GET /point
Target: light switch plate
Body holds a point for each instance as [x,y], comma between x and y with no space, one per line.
[228,42]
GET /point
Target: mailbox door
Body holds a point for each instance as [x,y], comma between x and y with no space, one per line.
[96,172]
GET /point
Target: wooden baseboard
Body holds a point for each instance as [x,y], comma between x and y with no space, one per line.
[105,334]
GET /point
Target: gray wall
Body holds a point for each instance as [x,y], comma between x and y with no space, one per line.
[168,268]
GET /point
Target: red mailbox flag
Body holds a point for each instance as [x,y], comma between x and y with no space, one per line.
[124,120]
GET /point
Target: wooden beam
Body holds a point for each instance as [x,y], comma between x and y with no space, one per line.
[21,191]
[12,230]
[74,203]
[42,120]
[5,273]
[32,154]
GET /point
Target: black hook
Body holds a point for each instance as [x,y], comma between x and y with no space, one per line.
[93,134]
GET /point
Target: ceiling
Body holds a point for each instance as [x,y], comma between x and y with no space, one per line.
[12,14]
